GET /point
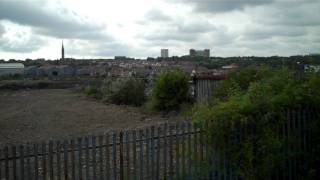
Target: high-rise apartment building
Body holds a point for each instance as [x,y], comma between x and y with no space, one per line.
[164,53]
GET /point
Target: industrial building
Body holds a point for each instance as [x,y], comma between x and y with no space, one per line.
[11,68]
[199,53]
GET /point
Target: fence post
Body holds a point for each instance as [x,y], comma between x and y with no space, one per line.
[21,149]
[141,154]
[114,153]
[165,151]
[65,159]
[1,163]
[28,175]
[100,139]
[58,161]
[73,171]
[135,164]
[170,153]
[86,141]
[6,162]
[201,153]
[44,161]
[189,150]
[289,144]
[94,157]
[158,153]
[207,153]
[108,157]
[127,155]
[36,169]
[152,152]
[51,160]
[121,155]
[183,151]
[14,160]
[177,151]
[195,155]
[147,139]
[294,147]
[80,158]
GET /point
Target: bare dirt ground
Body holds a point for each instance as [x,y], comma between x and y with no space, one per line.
[50,114]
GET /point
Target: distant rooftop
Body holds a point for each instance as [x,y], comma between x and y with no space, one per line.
[11,65]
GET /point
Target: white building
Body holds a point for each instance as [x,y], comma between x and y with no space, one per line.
[11,68]
[164,53]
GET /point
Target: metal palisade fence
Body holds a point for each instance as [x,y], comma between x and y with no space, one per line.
[168,151]
[204,86]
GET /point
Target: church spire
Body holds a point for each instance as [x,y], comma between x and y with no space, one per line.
[62,51]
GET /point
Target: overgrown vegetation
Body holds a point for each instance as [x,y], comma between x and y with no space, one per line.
[170,91]
[11,77]
[124,91]
[250,104]
[90,90]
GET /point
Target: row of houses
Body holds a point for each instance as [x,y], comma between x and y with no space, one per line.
[69,70]
[113,69]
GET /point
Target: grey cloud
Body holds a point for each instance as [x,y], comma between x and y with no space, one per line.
[30,44]
[218,6]
[264,32]
[179,30]
[288,13]
[216,37]
[98,48]
[178,33]
[276,47]
[195,27]
[282,28]
[222,37]
[61,24]
[2,30]
[113,49]
[170,36]
[156,15]
[21,48]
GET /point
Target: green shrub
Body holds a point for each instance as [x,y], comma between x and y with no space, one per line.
[239,81]
[12,77]
[124,91]
[90,90]
[170,90]
[255,100]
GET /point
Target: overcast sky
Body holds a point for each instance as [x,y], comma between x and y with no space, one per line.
[140,28]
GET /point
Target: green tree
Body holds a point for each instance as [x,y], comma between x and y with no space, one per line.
[170,90]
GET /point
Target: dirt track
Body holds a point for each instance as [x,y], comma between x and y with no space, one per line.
[41,115]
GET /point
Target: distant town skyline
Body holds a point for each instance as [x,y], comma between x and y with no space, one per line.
[140,28]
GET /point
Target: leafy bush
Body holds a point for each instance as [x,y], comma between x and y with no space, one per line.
[12,77]
[124,91]
[238,81]
[170,90]
[255,100]
[90,90]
